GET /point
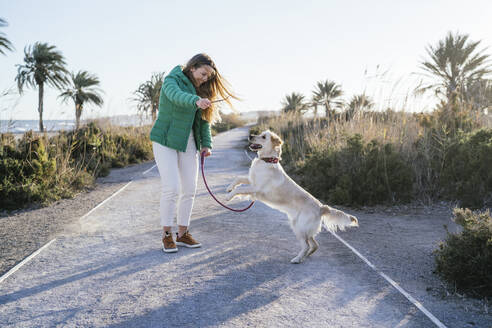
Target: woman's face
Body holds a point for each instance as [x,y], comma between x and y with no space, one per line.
[202,74]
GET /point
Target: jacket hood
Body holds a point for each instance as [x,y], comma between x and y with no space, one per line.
[178,72]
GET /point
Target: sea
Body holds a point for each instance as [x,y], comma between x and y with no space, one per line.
[21,126]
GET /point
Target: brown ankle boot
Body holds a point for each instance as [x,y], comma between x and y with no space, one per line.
[168,245]
[187,240]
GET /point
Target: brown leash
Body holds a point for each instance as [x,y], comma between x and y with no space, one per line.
[202,160]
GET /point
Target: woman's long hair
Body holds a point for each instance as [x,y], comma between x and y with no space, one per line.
[215,87]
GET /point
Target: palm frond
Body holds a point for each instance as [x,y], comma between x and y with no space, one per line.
[326,94]
[5,43]
[295,102]
[83,89]
[42,63]
[147,94]
[454,63]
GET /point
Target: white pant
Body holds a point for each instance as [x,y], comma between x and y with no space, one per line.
[179,173]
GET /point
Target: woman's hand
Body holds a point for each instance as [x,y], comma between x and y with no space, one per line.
[203,103]
[206,150]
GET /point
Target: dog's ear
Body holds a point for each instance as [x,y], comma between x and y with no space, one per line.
[276,141]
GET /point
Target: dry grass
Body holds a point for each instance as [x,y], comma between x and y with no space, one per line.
[422,140]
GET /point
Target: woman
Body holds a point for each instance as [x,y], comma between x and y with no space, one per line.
[186,113]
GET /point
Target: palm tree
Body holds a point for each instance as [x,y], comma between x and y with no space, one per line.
[83,90]
[315,102]
[454,63]
[42,64]
[147,94]
[357,104]
[4,42]
[294,103]
[325,94]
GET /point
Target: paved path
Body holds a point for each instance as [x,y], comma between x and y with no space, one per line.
[111,272]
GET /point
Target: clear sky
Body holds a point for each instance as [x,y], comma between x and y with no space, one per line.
[266,49]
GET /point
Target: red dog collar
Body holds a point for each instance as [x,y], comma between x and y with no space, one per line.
[270,159]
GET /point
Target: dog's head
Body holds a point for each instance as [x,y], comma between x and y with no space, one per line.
[266,143]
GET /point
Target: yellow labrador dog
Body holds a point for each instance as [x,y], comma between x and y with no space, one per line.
[268,182]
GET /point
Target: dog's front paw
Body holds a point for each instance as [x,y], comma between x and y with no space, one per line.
[230,187]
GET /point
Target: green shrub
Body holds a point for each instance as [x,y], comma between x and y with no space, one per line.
[228,122]
[97,150]
[467,173]
[28,172]
[465,259]
[82,179]
[399,156]
[357,174]
[36,169]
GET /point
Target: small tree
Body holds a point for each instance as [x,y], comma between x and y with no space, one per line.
[294,103]
[454,64]
[43,64]
[326,93]
[357,104]
[148,93]
[83,90]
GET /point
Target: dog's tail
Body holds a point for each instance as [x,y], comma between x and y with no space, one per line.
[333,219]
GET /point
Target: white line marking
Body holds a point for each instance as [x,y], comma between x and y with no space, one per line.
[394,284]
[147,171]
[100,204]
[24,261]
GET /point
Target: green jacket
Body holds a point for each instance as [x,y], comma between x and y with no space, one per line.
[178,114]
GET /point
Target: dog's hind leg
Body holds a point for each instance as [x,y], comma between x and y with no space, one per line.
[313,246]
[302,254]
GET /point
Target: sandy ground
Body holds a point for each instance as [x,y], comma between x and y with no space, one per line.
[107,270]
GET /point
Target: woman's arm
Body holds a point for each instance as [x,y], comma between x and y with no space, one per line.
[206,134]
[176,95]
